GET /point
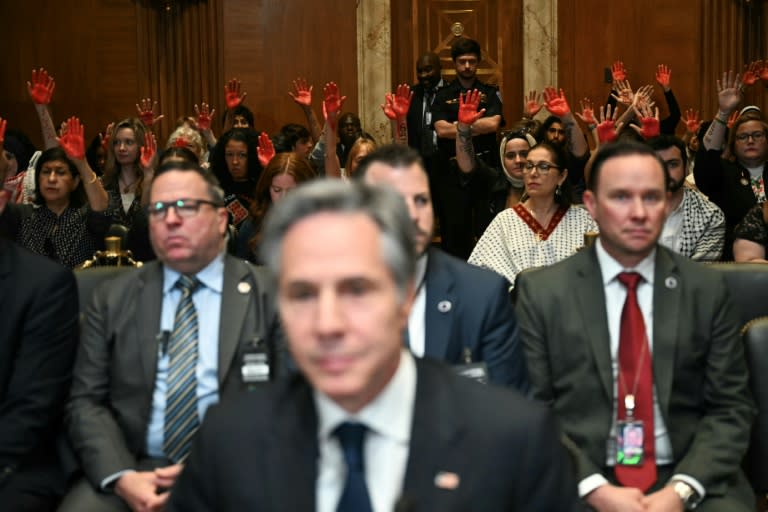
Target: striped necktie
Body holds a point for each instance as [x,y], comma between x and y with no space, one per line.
[181,421]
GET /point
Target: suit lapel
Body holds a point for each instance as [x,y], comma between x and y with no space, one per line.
[590,295]
[439,311]
[236,295]
[292,455]
[435,439]
[666,309]
[149,307]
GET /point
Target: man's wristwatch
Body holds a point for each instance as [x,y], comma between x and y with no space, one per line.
[687,494]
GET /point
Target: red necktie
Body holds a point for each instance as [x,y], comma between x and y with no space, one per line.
[636,377]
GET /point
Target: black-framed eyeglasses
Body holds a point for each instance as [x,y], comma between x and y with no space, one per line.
[542,167]
[756,136]
[185,208]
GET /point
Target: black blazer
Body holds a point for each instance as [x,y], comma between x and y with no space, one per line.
[259,452]
[38,337]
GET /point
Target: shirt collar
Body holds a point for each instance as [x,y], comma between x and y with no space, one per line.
[212,276]
[421,270]
[611,268]
[385,415]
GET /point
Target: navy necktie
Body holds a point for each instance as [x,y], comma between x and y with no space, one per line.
[354,497]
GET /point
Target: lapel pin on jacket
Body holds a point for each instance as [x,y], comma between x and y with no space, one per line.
[447,480]
[670,282]
[243,287]
[444,306]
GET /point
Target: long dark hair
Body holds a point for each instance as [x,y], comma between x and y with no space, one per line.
[219,162]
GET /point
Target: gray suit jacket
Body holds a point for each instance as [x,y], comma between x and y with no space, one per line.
[698,362]
[114,376]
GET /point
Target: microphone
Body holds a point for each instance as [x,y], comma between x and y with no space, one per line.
[162,340]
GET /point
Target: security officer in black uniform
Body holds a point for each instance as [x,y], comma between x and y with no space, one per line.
[464,212]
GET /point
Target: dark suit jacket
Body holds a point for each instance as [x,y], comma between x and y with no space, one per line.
[698,362]
[38,301]
[469,307]
[260,452]
[416,117]
[114,377]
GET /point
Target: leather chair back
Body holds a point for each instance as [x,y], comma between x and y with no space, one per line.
[756,347]
[748,284]
[89,278]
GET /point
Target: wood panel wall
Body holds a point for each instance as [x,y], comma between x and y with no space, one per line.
[419,26]
[90,50]
[268,43]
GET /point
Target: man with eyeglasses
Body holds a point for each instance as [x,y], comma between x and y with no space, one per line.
[161,344]
[739,184]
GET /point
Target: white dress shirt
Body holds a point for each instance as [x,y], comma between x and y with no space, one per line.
[388,418]
[417,322]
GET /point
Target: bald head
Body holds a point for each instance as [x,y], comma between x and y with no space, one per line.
[428,70]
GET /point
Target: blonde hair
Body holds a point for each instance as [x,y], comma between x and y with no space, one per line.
[187,137]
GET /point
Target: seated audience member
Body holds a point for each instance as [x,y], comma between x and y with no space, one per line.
[354,148]
[96,154]
[237,115]
[37,345]
[346,130]
[627,338]
[189,138]
[235,163]
[281,175]
[296,138]
[541,230]
[365,426]
[161,344]
[124,176]
[69,217]
[505,189]
[20,152]
[302,96]
[396,107]
[751,236]
[621,92]
[691,140]
[735,186]
[177,154]
[695,226]
[363,146]
[461,313]
[561,129]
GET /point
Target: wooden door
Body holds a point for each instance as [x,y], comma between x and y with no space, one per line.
[419,26]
